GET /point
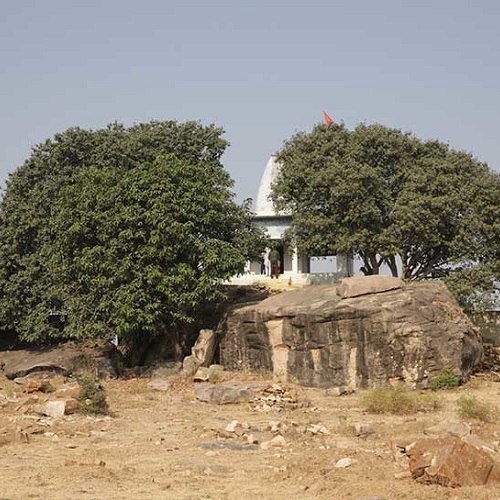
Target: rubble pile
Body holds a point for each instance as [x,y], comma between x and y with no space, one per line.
[277,398]
[268,435]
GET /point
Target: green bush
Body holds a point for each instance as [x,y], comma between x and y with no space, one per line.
[397,400]
[471,407]
[445,380]
[92,398]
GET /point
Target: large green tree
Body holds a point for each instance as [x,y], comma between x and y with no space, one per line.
[421,207]
[124,231]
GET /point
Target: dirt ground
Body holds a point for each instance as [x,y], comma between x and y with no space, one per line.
[168,445]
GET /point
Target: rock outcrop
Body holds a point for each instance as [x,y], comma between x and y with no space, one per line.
[450,461]
[362,333]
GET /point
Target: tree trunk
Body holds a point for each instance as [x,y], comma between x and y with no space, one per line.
[391,262]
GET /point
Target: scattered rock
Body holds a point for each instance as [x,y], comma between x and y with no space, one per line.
[215,373]
[317,429]
[228,445]
[277,398]
[275,442]
[202,374]
[30,385]
[190,366]
[363,429]
[71,390]
[54,409]
[231,427]
[252,439]
[449,461]
[226,393]
[60,407]
[343,463]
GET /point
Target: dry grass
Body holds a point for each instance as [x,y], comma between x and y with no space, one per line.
[398,400]
[471,407]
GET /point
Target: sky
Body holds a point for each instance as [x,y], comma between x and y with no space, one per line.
[261,69]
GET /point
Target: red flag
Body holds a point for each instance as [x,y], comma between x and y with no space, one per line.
[326,117]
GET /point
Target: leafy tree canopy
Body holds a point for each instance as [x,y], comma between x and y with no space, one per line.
[121,231]
[422,208]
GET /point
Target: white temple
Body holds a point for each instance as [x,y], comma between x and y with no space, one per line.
[295,267]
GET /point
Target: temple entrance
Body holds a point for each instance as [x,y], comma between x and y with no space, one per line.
[281,250]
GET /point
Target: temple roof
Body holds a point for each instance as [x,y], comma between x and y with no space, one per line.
[263,205]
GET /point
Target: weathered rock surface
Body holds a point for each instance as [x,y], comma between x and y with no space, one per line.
[226,393]
[42,362]
[315,337]
[202,353]
[366,285]
[450,461]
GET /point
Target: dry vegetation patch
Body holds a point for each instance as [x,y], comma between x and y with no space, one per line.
[169,445]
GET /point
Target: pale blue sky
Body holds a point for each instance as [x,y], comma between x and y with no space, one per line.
[260,69]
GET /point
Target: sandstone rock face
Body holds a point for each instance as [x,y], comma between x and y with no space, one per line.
[313,336]
[365,285]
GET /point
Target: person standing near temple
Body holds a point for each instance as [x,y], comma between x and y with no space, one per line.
[275,258]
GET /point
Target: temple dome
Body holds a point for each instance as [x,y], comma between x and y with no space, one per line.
[263,204]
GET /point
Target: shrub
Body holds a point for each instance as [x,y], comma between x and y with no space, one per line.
[397,400]
[445,380]
[92,398]
[471,407]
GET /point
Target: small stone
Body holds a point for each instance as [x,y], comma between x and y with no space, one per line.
[70,406]
[231,427]
[251,439]
[54,409]
[278,441]
[363,429]
[202,374]
[318,429]
[68,391]
[265,445]
[343,463]
[274,426]
[215,373]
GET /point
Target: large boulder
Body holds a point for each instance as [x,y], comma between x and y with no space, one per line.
[44,361]
[450,461]
[327,335]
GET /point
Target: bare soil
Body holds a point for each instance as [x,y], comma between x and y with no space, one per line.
[168,445]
